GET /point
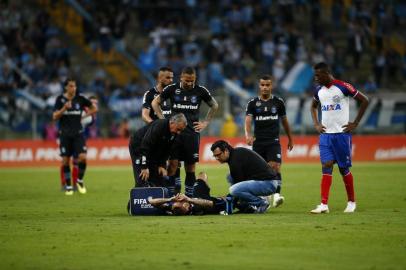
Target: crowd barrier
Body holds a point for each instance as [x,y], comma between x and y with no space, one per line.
[34,153]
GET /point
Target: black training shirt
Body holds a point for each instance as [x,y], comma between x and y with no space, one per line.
[186,101]
[245,164]
[70,121]
[147,100]
[266,116]
[153,142]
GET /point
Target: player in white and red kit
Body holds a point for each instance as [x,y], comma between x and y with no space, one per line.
[335,131]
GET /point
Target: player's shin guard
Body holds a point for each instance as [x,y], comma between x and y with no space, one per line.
[178,181]
[189,183]
[66,174]
[82,169]
[170,185]
[349,186]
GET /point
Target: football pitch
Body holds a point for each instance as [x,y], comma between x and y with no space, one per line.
[41,228]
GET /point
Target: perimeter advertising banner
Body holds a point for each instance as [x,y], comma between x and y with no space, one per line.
[33,153]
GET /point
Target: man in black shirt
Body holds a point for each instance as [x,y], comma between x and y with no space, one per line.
[267,111]
[250,177]
[186,97]
[68,110]
[149,149]
[164,78]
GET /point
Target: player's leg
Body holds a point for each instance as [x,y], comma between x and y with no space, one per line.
[66,149]
[136,165]
[75,170]
[190,178]
[62,176]
[80,147]
[274,159]
[173,165]
[178,180]
[327,161]
[342,149]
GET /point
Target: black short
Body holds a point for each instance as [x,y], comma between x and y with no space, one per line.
[155,180]
[269,152]
[72,145]
[202,191]
[186,146]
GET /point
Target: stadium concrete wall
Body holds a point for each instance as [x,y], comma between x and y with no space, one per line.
[34,153]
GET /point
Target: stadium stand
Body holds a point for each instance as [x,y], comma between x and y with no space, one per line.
[114,47]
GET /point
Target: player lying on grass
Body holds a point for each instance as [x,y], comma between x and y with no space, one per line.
[201,203]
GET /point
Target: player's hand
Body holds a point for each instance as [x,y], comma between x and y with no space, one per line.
[182,197]
[350,126]
[199,126]
[320,128]
[290,145]
[144,174]
[249,140]
[68,105]
[162,171]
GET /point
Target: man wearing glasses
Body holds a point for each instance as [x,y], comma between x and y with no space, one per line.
[251,178]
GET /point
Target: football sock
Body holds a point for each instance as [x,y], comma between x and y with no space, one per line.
[178,181]
[189,183]
[63,183]
[325,187]
[66,174]
[82,169]
[278,189]
[75,171]
[349,186]
[170,185]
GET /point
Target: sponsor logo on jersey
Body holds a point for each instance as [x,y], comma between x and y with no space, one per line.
[331,107]
[177,91]
[336,99]
[72,113]
[264,118]
[186,107]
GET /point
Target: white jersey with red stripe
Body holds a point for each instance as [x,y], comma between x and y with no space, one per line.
[335,104]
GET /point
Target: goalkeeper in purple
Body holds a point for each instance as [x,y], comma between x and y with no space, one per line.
[332,96]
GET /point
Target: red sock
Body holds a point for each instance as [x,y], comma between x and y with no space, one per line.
[63,182]
[325,187]
[349,186]
[75,173]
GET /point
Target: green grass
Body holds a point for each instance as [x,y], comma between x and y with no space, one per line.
[41,228]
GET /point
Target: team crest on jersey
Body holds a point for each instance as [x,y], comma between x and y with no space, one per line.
[193,99]
[258,103]
[77,106]
[336,99]
[273,109]
[177,91]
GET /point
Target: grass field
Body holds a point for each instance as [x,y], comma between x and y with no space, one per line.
[41,228]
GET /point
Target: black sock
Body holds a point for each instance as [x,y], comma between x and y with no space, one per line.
[189,182]
[82,169]
[170,185]
[278,189]
[178,181]
[66,174]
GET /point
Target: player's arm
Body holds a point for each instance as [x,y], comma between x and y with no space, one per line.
[314,111]
[145,115]
[247,128]
[199,126]
[206,204]
[286,127]
[92,109]
[157,202]
[58,113]
[364,102]
[156,106]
